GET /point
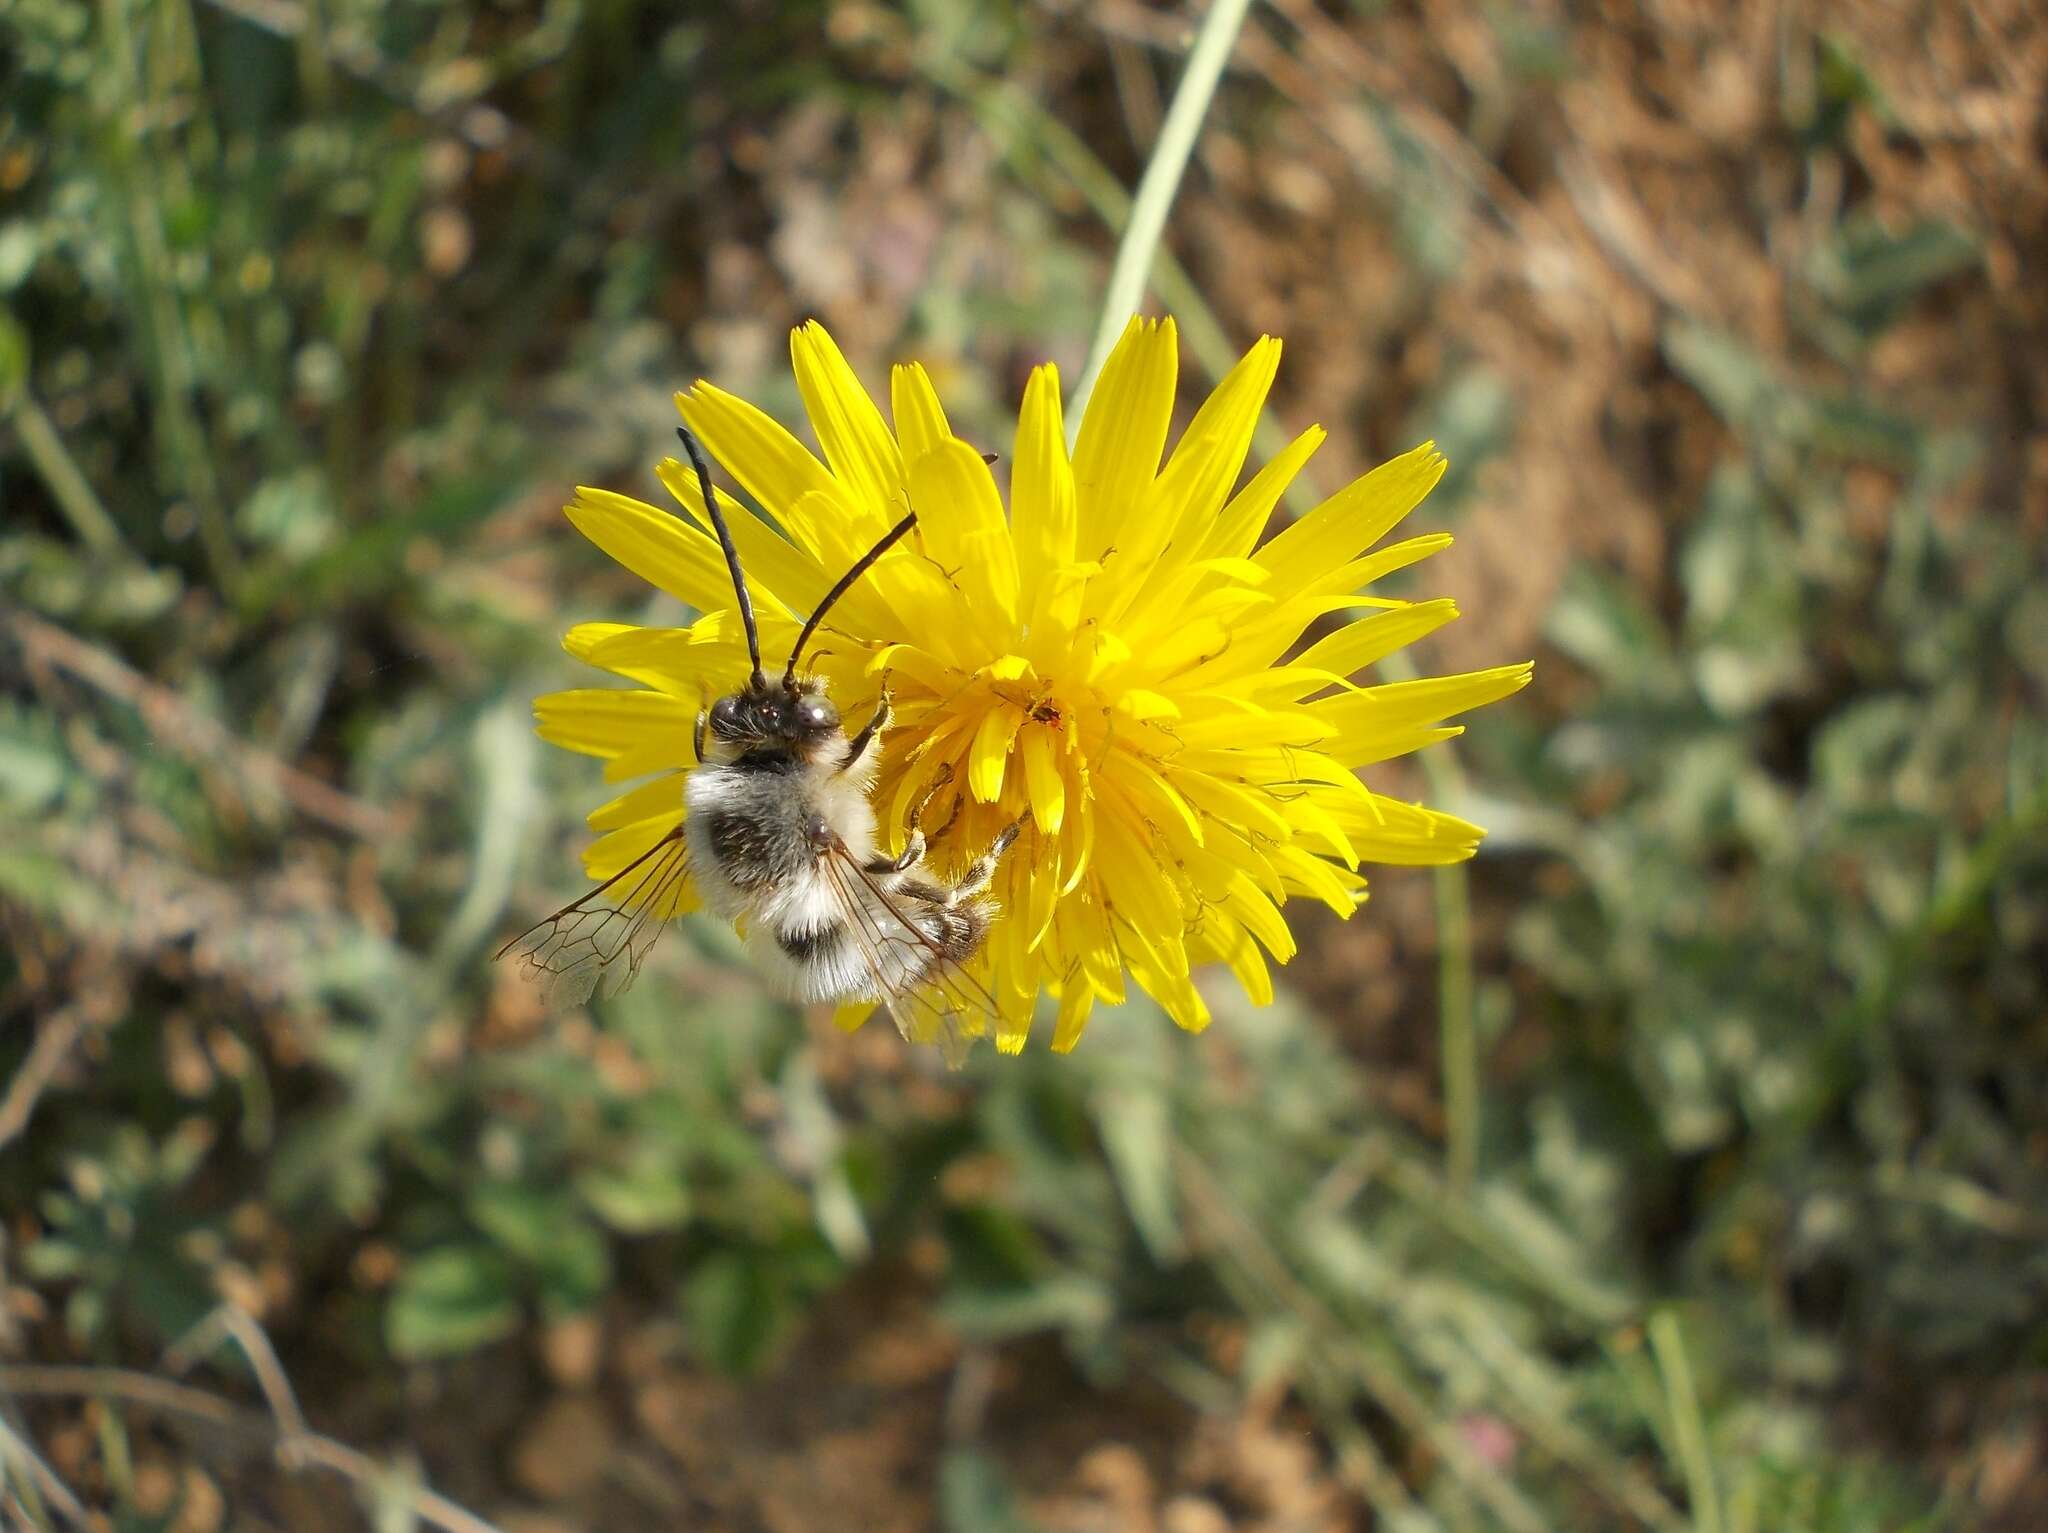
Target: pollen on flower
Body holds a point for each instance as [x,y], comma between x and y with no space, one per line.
[1116,658]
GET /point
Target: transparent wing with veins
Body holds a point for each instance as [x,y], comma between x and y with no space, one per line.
[926,989]
[599,942]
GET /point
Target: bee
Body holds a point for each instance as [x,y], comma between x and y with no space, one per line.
[779,836]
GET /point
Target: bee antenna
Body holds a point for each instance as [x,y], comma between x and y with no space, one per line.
[860,568]
[732,553]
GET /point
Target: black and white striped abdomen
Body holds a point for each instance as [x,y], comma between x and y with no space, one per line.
[882,945]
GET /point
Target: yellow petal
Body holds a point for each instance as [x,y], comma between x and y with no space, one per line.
[1180,505]
[1248,964]
[1056,616]
[1076,1002]
[933,753]
[1151,795]
[610,855]
[1123,432]
[1236,530]
[1211,452]
[960,518]
[1101,965]
[857,441]
[660,799]
[1134,885]
[1363,720]
[1235,804]
[990,754]
[1139,703]
[1261,917]
[1179,999]
[1310,873]
[1077,845]
[1254,727]
[661,549]
[1409,835]
[1370,640]
[1363,572]
[1356,517]
[1193,641]
[673,662]
[1043,780]
[849,1017]
[920,665]
[776,469]
[587,640]
[613,722]
[1041,487]
[1260,640]
[780,575]
[1310,816]
[920,418]
[585,637]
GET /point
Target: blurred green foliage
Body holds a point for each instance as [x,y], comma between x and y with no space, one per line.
[304,314]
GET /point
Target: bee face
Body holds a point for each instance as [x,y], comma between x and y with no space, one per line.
[770,716]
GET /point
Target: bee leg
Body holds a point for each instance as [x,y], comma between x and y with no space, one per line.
[914,843]
[857,747]
[911,855]
[982,871]
[943,776]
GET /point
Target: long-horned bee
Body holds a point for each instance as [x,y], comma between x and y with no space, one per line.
[779,836]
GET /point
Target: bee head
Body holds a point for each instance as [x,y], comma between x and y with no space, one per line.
[771,716]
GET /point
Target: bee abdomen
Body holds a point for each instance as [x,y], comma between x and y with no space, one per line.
[750,853]
[815,946]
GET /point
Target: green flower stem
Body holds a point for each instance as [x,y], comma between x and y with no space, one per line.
[1688,1426]
[60,474]
[1459,1042]
[1034,142]
[1158,186]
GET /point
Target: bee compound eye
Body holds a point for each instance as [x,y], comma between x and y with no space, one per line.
[725,713]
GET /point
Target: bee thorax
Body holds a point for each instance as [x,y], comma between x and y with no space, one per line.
[757,831]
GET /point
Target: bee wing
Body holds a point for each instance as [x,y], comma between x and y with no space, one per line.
[603,938]
[930,1008]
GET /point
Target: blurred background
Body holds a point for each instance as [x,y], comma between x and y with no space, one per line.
[1681,1163]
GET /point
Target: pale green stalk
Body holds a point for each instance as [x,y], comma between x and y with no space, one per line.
[1459,1031]
[68,487]
[1688,1426]
[1157,187]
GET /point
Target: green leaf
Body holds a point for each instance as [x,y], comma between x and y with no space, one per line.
[646,1194]
[1870,274]
[733,1309]
[525,1221]
[451,1300]
[33,765]
[975,1496]
[13,360]
[575,1270]
[1604,625]
[1137,1137]
[1064,1302]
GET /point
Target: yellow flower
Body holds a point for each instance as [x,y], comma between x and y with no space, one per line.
[1112,657]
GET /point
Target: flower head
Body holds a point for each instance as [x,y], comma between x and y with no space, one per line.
[1113,658]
